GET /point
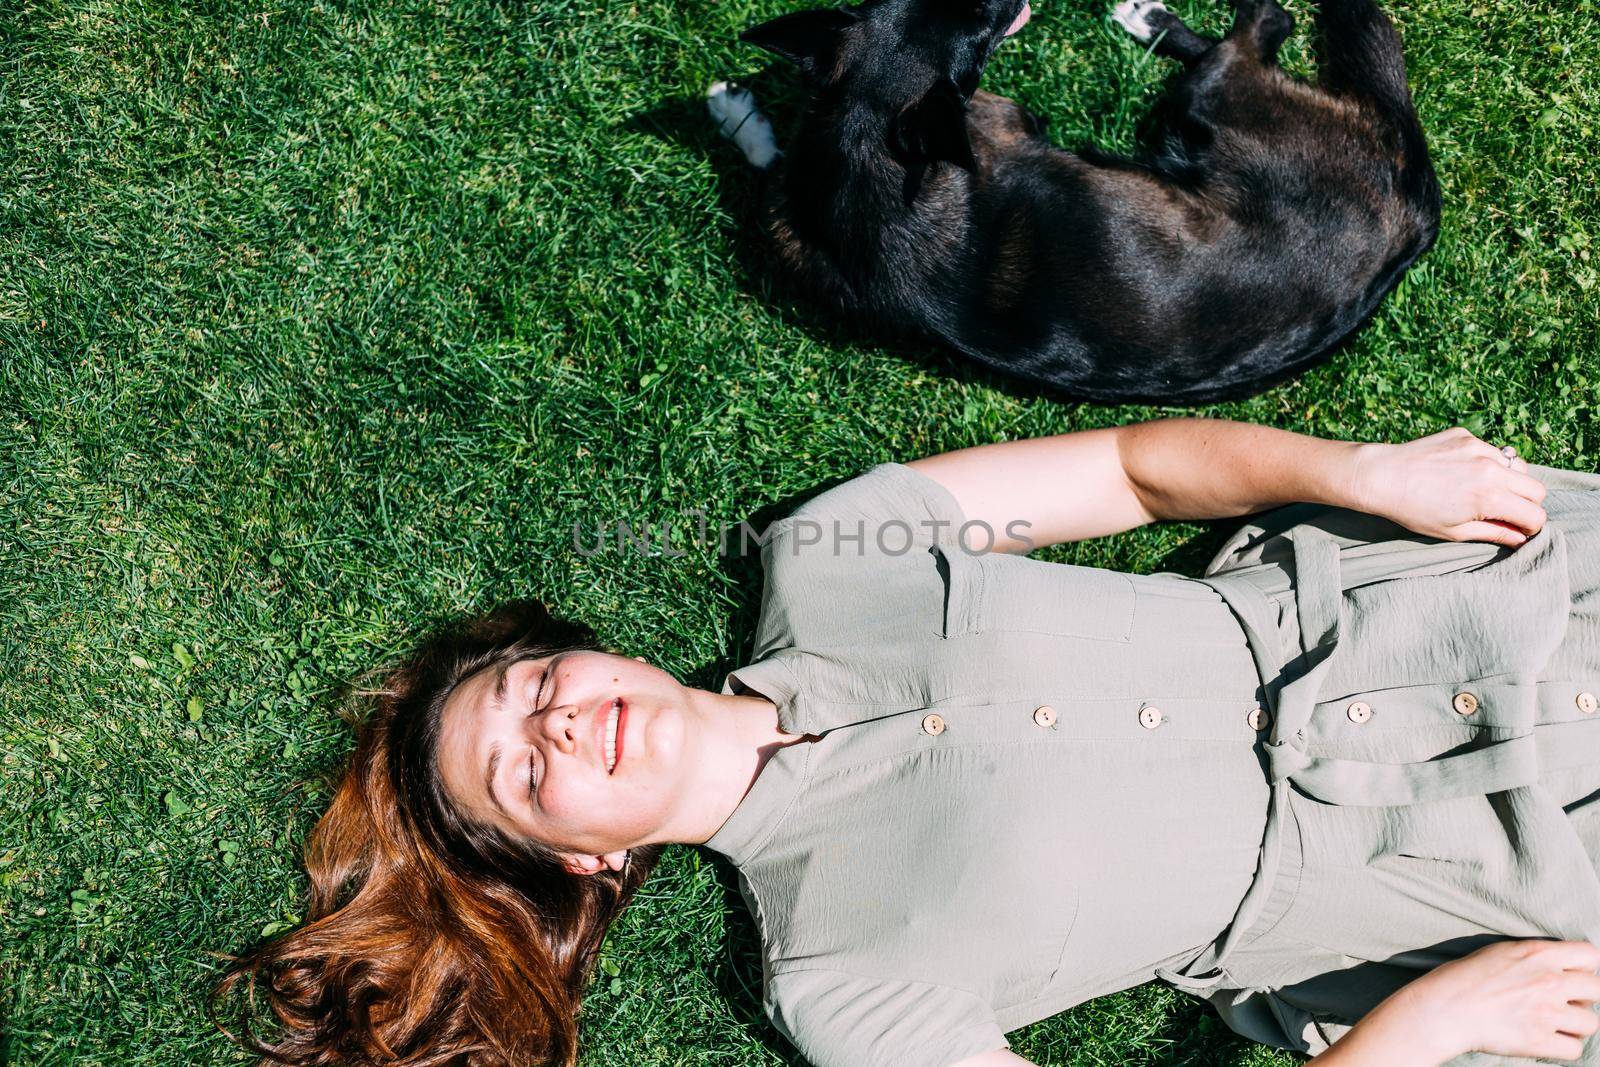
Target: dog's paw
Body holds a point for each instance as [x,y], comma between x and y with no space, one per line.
[1138,17]
[739,120]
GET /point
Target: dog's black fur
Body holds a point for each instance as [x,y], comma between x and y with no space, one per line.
[1266,224]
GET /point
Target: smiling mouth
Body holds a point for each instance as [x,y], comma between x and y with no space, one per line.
[613,741]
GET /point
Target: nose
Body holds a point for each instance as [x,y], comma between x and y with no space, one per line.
[558,725]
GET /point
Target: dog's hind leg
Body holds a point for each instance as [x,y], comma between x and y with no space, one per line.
[1227,87]
[1359,56]
[740,121]
[1262,25]
[1359,53]
[1149,20]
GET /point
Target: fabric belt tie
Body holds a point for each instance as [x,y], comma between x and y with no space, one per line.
[1319,595]
[1495,768]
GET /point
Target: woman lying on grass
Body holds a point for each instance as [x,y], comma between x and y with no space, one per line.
[1351,776]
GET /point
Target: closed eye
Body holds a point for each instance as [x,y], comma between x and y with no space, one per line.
[544,676]
[533,774]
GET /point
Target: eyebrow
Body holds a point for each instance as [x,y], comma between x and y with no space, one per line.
[494,750]
[488,778]
[499,701]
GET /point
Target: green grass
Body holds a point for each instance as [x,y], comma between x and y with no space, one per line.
[320,322]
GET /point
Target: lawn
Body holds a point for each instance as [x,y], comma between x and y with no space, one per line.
[321,322]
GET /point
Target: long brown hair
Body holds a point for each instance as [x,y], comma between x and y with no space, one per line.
[430,941]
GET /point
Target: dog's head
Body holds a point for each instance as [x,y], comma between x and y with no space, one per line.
[915,62]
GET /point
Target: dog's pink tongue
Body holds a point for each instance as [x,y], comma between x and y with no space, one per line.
[1021,20]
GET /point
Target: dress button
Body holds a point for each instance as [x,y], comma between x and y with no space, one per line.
[1150,718]
[1360,711]
[933,725]
[1258,719]
[1464,703]
[1045,716]
[1587,703]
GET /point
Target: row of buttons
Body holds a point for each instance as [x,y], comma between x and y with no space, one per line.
[1258,719]
[1466,704]
[1149,717]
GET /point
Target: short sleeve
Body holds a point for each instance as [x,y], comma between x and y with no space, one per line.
[837,1019]
[888,509]
[853,597]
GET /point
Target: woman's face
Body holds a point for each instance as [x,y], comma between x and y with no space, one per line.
[586,752]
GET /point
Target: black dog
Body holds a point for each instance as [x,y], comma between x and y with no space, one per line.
[1265,225]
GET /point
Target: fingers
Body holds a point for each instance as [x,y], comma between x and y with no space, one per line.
[1577,1022]
[1581,987]
[1519,511]
[1569,955]
[1513,475]
[1538,997]
[1556,1047]
[1478,446]
[1526,485]
[1491,532]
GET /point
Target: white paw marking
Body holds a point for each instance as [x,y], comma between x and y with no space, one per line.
[1135,17]
[738,119]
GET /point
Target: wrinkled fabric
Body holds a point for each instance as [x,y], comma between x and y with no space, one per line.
[1422,833]
[918,895]
[921,891]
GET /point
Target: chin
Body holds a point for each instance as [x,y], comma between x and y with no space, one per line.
[663,733]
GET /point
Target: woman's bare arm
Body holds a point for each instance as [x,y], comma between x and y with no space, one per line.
[1071,487]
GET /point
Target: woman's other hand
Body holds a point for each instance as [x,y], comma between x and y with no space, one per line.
[1452,486]
[1512,998]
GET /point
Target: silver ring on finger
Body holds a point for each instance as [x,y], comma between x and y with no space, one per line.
[1508,453]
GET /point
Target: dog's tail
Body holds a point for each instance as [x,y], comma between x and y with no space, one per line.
[740,121]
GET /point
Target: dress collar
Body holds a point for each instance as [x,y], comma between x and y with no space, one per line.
[783,777]
[776,677]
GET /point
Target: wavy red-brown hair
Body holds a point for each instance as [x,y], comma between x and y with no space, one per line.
[429,941]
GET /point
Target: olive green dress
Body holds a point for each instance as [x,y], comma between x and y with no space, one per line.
[1345,755]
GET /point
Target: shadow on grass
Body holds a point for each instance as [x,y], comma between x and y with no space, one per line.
[737,970]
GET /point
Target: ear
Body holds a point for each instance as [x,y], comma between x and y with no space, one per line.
[808,39]
[576,864]
[933,129]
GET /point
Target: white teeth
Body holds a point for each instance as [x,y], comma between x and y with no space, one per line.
[611,735]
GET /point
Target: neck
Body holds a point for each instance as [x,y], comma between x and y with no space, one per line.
[742,734]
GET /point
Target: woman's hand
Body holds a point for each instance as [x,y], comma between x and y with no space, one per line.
[1512,998]
[1452,486]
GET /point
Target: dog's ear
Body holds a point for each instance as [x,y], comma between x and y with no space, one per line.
[933,129]
[808,39]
